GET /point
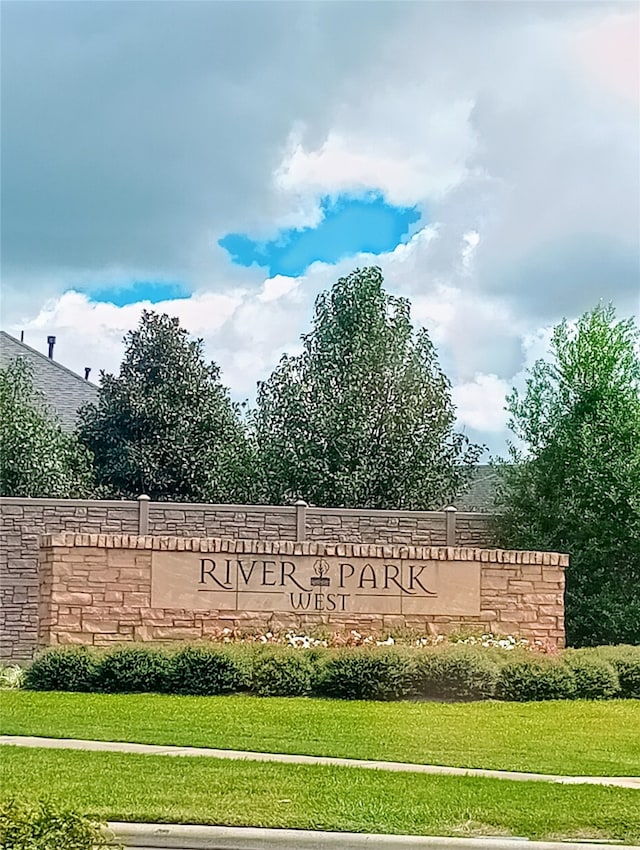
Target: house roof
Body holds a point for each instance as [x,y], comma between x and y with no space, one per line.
[64,391]
[481,491]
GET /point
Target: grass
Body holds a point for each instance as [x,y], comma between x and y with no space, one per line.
[113,786]
[572,738]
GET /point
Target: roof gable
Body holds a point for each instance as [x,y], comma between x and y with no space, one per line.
[64,391]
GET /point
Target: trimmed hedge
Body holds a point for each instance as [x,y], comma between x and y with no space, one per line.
[626,662]
[132,670]
[367,675]
[457,673]
[204,671]
[452,673]
[531,679]
[43,826]
[595,678]
[68,669]
[284,674]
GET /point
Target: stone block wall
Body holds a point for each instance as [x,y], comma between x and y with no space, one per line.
[409,528]
[97,590]
[257,521]
[23,521]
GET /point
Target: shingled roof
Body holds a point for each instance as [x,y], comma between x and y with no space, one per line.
[63,390]
[481,493]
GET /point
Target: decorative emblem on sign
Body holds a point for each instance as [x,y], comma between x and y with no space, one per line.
[320,568]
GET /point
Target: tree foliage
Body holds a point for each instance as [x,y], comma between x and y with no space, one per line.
[574,486]
[165,426]
[37,458]
[363,416]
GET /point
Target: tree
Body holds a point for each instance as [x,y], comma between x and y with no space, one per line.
[165,426]
[37,458]
[363,417]
[574,486]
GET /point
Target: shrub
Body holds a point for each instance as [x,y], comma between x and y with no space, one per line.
[356,674]
[595,678]
[133,670]
[628,669]
[626,661]
[204,671]
[288,674]
[456,674]
[11,676]
[62,669]
[43,826]
[629,677]
[532,679]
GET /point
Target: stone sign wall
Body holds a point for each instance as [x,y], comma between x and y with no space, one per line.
[23,521]
[100,589]
[350,585]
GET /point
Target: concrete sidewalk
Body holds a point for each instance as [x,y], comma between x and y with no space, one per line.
[136,836]
[158,750]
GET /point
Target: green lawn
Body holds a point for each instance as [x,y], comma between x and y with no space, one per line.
[112,786]
[573,738]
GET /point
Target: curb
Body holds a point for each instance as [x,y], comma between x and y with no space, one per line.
[136,836]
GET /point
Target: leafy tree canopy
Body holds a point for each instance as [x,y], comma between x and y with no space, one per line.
[165,426]
[573,481]
[38,458]
[363,417]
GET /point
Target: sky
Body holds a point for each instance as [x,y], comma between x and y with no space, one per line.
[225,162]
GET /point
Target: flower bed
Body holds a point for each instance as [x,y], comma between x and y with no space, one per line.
[352,637]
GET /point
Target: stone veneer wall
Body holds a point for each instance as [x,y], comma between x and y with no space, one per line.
[23,523]
[409,528]
[96,589]
[24,520]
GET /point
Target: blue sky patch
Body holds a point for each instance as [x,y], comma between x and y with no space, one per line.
[139,290]
[350,225]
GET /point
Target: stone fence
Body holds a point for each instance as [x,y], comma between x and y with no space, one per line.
[24,521]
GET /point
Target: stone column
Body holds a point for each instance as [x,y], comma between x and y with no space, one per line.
[450,525]
[143,514]
[301,520]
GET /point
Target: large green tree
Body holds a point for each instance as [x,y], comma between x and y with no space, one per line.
[363,416]
[38,458]
[572,483]
[165,426]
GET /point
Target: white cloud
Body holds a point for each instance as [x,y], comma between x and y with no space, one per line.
[90,333]
[472,240]
[608,52]
[480,403]
[248,331]
[424,158]
[275,287]
[513,127]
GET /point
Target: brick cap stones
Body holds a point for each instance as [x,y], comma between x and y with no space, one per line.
[289,547]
